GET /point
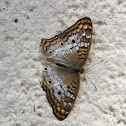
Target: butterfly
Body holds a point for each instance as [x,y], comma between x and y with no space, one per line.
[65,55]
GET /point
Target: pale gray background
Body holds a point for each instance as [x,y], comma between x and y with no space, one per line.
[22,25]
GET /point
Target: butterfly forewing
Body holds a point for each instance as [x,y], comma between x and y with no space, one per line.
[70,48]
[79,37]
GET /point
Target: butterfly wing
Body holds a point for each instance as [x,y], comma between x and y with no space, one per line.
[56,49]
[61,88]
[73,45]
[79,37]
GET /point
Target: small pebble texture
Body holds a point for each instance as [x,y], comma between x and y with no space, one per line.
[23,23]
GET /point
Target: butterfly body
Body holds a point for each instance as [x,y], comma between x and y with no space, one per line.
[65,55]
[71,68]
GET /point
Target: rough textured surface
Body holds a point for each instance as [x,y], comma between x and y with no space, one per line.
[23,24]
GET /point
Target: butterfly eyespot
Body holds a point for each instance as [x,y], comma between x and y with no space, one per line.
[59,93]
[50,52]
[73,41]
[62,44]
[49,81]
[45,68]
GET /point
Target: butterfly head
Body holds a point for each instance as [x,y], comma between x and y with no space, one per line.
[78,70]
[81,71]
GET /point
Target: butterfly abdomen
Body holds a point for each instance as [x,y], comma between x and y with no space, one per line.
[72,68]
[60,65]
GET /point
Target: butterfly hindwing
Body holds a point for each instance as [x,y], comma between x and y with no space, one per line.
[61,88]
[55,48]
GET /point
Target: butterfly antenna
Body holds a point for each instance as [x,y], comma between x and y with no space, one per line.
[92,83]
[94,64]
